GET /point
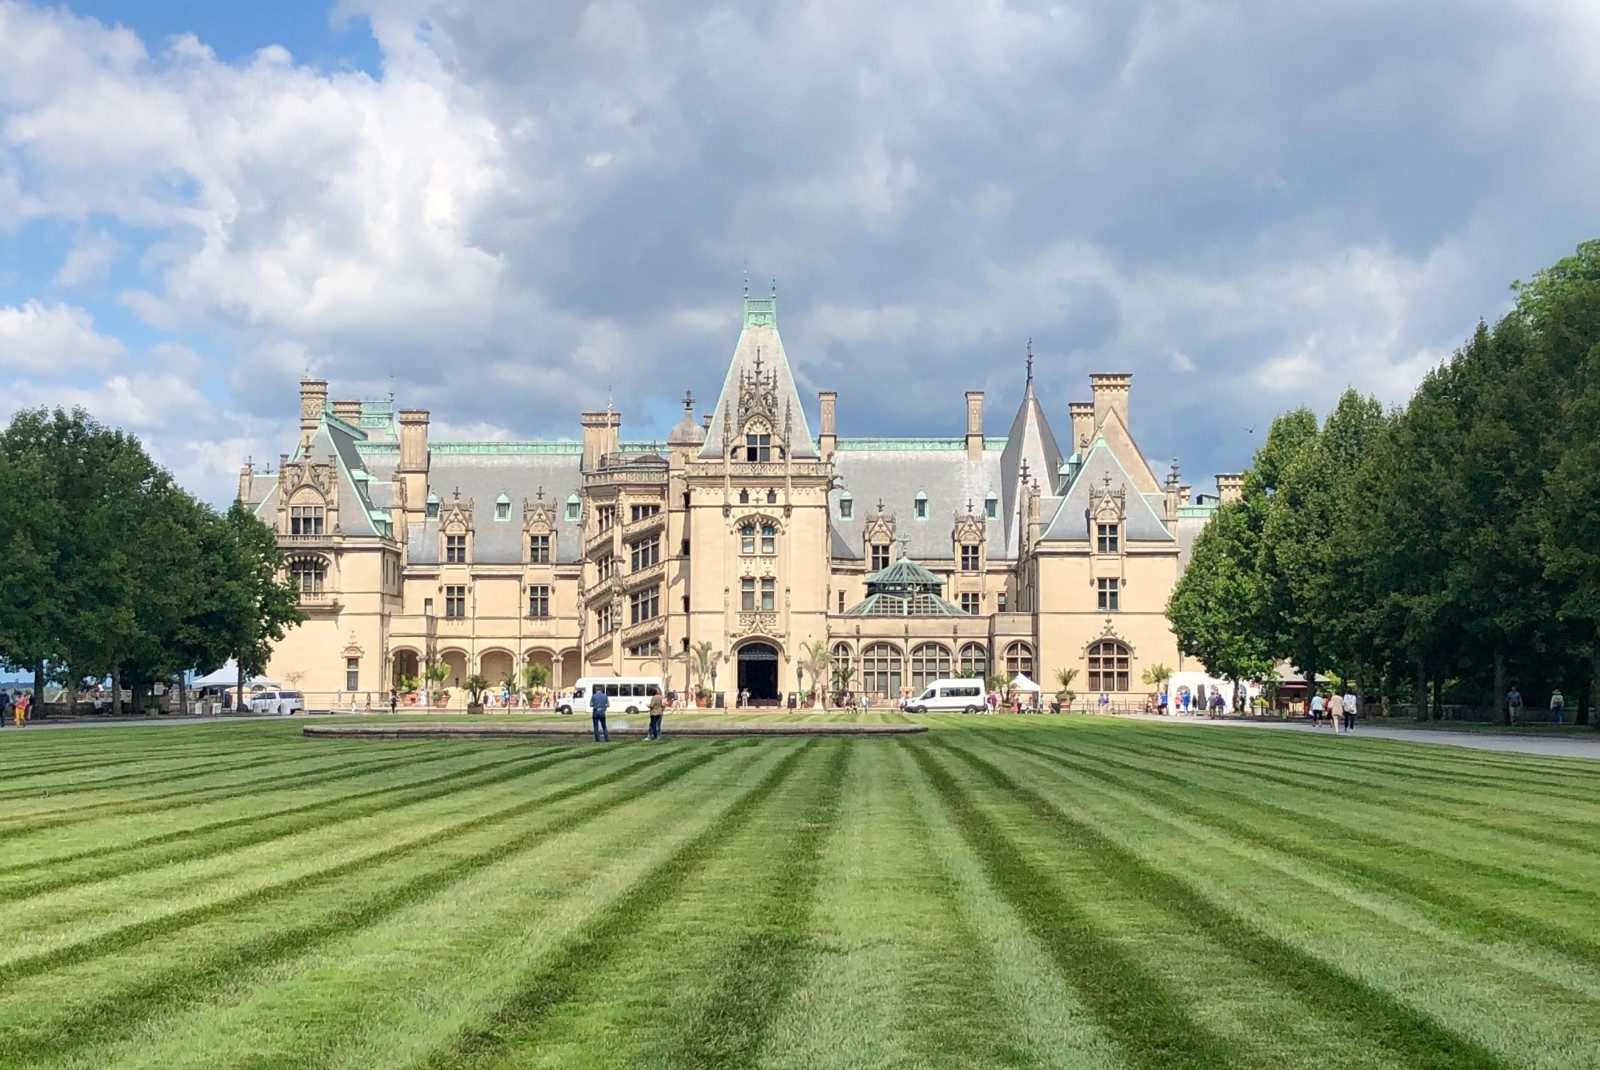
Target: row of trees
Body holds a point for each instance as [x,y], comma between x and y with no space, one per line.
[109,569]
[1448,549]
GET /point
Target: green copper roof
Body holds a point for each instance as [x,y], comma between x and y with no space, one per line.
[904,589]
[761,311]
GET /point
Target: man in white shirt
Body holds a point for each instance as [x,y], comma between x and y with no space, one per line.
[1349,711]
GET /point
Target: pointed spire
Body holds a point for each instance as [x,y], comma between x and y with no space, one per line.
[1029,387]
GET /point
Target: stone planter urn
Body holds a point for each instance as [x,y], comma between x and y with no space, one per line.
[474,707]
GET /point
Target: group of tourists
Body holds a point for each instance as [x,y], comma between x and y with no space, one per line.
[16,708]
[1558,706]
[1337,710]
[600,704]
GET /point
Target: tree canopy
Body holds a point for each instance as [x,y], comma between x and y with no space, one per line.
[108,567]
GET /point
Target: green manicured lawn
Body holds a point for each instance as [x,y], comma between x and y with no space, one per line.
[1028,892]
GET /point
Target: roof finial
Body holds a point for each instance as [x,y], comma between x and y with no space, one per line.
[1030,360]
[774,289]
[905,547]
[688,400]
[747,279]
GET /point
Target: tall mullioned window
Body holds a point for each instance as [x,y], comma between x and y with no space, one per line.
[880,556]
[1109,590]
[1107,538]
[758,447]
[1108,666]
[970,558]
[308,574]
[455,602]
[747,594]
[352,674]
[645,552]
[747,539]
[642,512]
[974,660]
[538,549]
[769,595]
[455,549]
[539,600]
[1019,660]
[970,601]
[644,605]
[769,539]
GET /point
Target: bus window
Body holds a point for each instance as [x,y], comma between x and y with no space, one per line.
[613,690]
[651,689]
[577,692]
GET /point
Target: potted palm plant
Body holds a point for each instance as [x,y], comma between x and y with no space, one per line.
[475,685]
[814,661]
[842,675]
[1064,697]
[704,659]
[434,677]
[535,678]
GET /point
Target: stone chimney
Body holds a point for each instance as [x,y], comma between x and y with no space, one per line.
[412,472]
[974,425]
[600,435]
[348,411]
[827,439]
[313,402]
[1110,395]
[247,479]
[1082,425]
[1230,487]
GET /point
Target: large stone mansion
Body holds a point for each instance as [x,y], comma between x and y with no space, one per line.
[914,558]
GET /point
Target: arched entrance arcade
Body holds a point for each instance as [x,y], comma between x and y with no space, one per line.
[758,671]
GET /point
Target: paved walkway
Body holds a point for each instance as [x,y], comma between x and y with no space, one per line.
[1546,746]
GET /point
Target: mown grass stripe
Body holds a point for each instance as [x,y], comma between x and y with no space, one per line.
[1410,1035]
[138,932]
[1458,913]
[193,984]
[1136,1009]
[762,968]
[1460,812]
[192,844]
[555,982]
[167,753]
[1340,830]
[195,796]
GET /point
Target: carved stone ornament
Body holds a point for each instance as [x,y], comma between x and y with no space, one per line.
[353,649]
[758,400]
[758,519]
[968,528]
[758,623]
[539,515]
[455,516]
[1108,631]
[1107,505]
[879,527]
[308,472]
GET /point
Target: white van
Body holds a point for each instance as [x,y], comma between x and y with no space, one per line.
[628,694]
[282,703]
[949,696]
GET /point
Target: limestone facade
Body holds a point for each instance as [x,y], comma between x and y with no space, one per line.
[601,556]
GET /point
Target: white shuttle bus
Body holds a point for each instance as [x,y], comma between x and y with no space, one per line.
[628,694]
[964,695]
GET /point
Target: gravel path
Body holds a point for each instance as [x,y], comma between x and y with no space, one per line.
[1547,746]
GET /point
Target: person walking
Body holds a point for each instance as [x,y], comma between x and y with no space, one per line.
[1514,704]
[599,703]
[657,709]
[394,701]
[1316,709]
[1349,711]
[19,712]
[1336,712]
[1558,706]
[5,706]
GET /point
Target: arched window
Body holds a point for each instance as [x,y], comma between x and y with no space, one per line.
[842,661]
[1019,660]
[308,573]
[1108,666]
[929,662]
[975,660]
[744,496]
[880,670]
[747,539]
[772,496]
[769,539]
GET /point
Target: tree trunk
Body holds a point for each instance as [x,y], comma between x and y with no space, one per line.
[72,695]
[1438,695]
[1361,688]
[116,692]
[238,695]
[1594,676]
[183,693]
[1500,685]
[1422,691]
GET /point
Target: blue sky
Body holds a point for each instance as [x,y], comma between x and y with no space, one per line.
[507,212]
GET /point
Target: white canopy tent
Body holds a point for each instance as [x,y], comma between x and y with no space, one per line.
[228,676]
[1022,683]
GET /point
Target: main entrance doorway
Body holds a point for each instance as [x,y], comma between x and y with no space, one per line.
[758,671]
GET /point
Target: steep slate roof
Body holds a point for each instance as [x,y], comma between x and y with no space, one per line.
[483,471]
[1071,520]
[760,336]
[895,471]
[1030,440]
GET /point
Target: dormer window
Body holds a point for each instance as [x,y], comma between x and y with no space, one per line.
[847,506]
[880,556]
[758,447]
[538,549]
[305,520]
[455,549]
[920,506]
[1107,538]
[432,508]
[502,508]
[991,507]
[574,508]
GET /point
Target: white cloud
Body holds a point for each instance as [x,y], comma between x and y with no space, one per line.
[52,339]
[90,259]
